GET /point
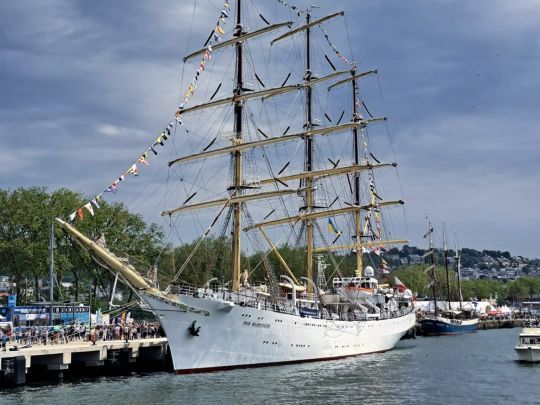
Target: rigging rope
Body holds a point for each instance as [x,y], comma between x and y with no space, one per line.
[199,243]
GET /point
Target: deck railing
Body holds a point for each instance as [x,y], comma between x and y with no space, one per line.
[284,305]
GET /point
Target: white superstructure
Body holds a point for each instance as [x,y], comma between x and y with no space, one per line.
[528,348]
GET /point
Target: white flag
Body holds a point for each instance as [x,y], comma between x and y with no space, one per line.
[89,208]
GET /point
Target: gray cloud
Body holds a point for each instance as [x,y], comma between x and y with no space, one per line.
[86,85]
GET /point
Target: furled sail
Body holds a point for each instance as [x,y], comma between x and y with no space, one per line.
[243,37]
[109,261]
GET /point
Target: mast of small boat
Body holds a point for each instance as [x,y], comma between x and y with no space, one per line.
[309,160]
[357,214]
[432,260]
[51,277]
[458,271]
[445,247]
[237,180]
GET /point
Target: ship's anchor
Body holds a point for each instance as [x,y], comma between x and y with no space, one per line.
[194,329]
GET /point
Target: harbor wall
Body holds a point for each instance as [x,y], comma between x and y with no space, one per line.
[20,365]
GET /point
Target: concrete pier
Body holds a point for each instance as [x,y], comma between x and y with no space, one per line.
[500,323]
[53,360]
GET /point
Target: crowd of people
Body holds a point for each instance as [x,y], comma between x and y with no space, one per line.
[58,334]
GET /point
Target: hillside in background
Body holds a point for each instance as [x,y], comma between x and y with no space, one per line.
[475,264]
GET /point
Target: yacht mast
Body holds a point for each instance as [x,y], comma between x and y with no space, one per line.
[237,155]
[446,268]
[309,160]
[357,214]
[432,266]
[51,278]
[458,271]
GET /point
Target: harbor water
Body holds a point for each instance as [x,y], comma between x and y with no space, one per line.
[478,368]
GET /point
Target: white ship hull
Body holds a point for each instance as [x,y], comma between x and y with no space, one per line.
[233,336]
[528,354]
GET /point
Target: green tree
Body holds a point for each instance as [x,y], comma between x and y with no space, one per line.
[523,288]
[26,217]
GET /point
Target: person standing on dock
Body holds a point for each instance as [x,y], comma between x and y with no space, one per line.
[93,335]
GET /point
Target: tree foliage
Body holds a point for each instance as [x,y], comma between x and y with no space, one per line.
[25,223]
[27,214]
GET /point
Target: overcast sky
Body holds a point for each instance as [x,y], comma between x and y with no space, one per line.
[86,85]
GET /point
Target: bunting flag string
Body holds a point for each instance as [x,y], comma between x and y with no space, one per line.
[89,208]
[358,108]
[207,55]
[334,48]
[133,169]
[375,211]
[384,266]
[336,51]
[296,9]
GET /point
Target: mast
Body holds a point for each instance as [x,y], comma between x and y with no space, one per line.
[458,271]
[432,265]
[51,277]
[445,246]
[237,156]
[309,159]
[357,214]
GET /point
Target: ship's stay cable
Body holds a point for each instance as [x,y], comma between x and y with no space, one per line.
[190,138]
[351,52]
[137,199]
[257,245]
[319,161]
[270,153]
[346,145]
[197,184]
[200,241]
[341,260]
[201,168]
[157,184]
[330,254]
[188,46]
[406,222]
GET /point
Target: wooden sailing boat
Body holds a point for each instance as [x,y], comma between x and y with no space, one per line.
[446,321]
[237,324]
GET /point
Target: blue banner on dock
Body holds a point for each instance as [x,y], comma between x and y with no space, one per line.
[38,315]
[12,301]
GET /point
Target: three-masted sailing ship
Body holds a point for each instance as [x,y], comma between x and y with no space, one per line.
[282,319]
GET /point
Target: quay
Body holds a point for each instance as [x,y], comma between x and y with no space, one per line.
[500,323]
[482,325]
[20,364]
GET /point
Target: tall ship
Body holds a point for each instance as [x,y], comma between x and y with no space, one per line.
[287,164]
[448,320]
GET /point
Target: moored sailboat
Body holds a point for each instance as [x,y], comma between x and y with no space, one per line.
[236,324]
[447,321]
